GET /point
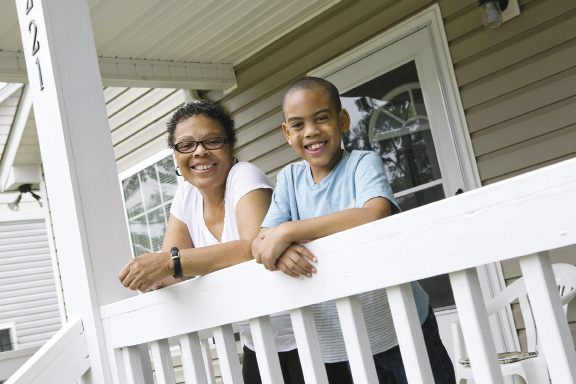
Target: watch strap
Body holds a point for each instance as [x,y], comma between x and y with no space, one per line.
[175,254]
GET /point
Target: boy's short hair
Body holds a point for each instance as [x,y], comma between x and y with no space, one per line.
[308,83]
[207,109]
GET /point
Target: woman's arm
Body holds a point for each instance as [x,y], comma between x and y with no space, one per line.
[145,270]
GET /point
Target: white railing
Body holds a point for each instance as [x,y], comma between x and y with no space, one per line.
[520,217]
[63,359]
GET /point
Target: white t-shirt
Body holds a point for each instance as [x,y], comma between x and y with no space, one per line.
[187,207]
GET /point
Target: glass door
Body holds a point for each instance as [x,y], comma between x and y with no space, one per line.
[397,110]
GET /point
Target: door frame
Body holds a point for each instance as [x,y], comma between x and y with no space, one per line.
[491,276]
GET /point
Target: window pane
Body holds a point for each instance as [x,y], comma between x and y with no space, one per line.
[5,342]
[133,196]
[420,198]
[157,227]
[168,180]
[139,235]
[150,187]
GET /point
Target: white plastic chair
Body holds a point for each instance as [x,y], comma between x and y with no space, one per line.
[533,370]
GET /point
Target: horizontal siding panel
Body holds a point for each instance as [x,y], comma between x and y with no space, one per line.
[151,134]
[133,156]
[259,127]
[277,159]
[110,93]
[131,95]
[25,291]
[150,119]
[32,262]
[526,169]
[555,32]
[143,104]
[539,67]
[10,315]
[51,321]
[525,127]
[547,147]
[39,248]
[261,146]
[37,297]
[534,14]
[545,92]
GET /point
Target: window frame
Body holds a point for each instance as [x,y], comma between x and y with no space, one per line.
[134,170]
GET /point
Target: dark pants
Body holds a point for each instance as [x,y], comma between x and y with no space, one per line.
[390,368]
[289,362]
[338,373]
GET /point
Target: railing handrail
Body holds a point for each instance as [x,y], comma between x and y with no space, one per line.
[523,215]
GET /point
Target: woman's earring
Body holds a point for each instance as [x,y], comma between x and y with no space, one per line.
[235,160]
[177,171]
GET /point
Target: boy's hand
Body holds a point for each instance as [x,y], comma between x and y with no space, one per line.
[294,261]
[269,248]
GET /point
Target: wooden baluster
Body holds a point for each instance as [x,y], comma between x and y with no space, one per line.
[308,346]
[409,333]
[208,364]
[553,331]
[192,359]
[134,367]
[356,339]
[475,326]
[162,361]
[268,362]
[228,355]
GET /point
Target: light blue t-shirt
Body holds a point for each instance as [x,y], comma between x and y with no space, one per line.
[357,178]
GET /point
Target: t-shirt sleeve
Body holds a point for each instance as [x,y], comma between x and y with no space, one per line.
[371,181]
[246,177]
[279,211]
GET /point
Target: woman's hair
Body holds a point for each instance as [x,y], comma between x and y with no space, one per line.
[207,109]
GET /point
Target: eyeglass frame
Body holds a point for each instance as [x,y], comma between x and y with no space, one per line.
[224,142]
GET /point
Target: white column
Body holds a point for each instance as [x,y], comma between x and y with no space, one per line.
[81,176]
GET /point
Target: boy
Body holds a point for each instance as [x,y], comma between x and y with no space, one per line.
[332,190]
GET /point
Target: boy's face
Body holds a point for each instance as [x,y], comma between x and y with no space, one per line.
[313,127]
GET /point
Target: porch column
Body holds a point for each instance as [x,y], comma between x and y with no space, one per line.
[80,172]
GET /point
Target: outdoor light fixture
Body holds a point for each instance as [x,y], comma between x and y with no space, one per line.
[492,12]
[24,188]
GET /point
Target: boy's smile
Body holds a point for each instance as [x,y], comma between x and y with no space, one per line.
[314,129]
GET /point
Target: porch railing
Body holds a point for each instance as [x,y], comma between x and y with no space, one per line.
[521,217]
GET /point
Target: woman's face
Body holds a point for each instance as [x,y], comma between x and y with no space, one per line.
[203,168]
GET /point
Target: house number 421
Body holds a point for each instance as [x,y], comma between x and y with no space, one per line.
[33,29]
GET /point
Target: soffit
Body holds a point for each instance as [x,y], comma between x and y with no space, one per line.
[196,31]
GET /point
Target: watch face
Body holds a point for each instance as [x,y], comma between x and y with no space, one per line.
[174,252]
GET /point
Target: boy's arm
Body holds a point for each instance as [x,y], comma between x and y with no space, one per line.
[277,240]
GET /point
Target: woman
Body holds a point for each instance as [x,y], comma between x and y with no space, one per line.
[203,226]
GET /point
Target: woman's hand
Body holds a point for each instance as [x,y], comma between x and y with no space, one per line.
[142,272]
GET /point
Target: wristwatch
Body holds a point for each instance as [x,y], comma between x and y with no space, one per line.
[176,260]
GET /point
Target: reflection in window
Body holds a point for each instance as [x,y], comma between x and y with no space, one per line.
[148,195]
[5,341]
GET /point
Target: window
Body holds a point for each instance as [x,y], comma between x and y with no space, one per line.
[7,337]
[148,195]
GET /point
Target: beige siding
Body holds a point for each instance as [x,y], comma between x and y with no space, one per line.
[138,119]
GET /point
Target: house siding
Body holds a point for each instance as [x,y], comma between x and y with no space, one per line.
[28,295]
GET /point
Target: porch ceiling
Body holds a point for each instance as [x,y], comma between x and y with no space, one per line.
[190,33]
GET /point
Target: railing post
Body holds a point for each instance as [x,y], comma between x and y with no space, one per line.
[162,361]
[409,333]
[474,321]
[228,355]
[553,331]
[356,339]
[192,359]
[308,346]
[268,362]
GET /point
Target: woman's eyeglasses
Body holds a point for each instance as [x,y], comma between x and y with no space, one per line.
[190,146]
